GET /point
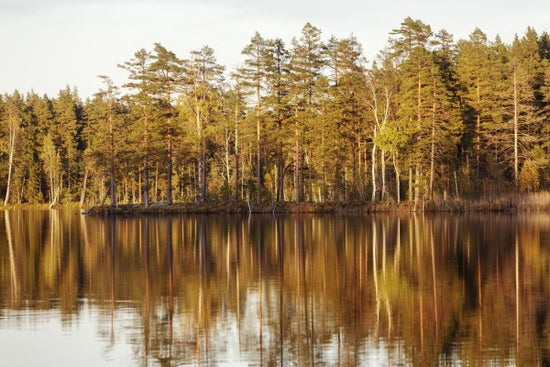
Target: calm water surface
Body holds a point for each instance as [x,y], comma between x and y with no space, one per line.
[265,290]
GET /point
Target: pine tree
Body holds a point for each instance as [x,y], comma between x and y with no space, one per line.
[104,139]
[167,73]
[145,136]
[410,48]
[524,72]
[426,101]
[476,71]
[277,104]
[253,76]
[348,94]
[306,60]
[199,105]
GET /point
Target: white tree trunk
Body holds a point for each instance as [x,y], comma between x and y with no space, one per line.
[10,162]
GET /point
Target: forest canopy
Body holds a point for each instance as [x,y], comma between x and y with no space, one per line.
[309,120]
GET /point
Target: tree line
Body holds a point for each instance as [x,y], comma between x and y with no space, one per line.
[429,119]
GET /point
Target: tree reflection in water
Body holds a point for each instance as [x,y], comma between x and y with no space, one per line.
[271,290]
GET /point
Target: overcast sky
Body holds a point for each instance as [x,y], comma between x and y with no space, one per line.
[48,44]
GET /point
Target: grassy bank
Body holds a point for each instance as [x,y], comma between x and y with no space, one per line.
[506,203]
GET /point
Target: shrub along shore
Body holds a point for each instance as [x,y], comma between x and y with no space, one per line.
[510,203]
[534,202]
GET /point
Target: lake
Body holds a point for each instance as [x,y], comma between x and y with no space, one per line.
[268,290]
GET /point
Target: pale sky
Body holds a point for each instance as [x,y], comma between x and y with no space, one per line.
[46,45]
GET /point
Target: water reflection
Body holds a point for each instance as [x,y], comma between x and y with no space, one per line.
[264,290]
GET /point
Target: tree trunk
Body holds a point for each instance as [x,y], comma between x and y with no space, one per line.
[456,186]
[112,181]
[52,188]
[69,193]
[478,126]
[10,164]
[199,178]
[125,194]
[227,155]
[373,171]
[84,186]
[55,198]
[133,193]
[280,177]
[258,154]
[298,175]
[112,153]
[359,168]
[237,168]
[156,182]
[383,169]
[432,151]
[12,136]
[169,174]
[354,174]
[397,179]
[323,196]
[236,177]
[202,172]
[516,128]
[146,184]
[298,165]
[104,197]
[417,183]
[201,150]
[140,193]
[411,188]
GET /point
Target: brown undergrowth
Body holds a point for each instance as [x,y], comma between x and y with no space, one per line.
[505,203]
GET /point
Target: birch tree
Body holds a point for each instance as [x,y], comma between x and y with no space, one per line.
[11,121]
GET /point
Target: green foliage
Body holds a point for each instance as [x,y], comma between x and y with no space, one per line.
[529,179]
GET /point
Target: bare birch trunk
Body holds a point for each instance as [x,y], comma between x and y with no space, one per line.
[12,134]
[397,179]
[237,168]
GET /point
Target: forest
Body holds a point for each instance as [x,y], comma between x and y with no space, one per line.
[306,121]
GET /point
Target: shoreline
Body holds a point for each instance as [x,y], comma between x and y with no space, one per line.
[449,206]
[536,202]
